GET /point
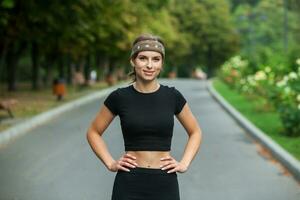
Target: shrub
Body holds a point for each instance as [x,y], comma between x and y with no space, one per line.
[282,91]
[233,70]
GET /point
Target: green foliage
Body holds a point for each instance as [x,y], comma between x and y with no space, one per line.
[7,4]
[269,34]
[260,114]
[264,32]
[53,34]
[233,70]
[283,91]
[209,32]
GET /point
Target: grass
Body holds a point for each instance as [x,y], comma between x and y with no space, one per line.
[31,103]
[260,113]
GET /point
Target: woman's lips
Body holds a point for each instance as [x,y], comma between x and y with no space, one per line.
[148,72]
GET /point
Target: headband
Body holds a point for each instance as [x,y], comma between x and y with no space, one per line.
[148,45]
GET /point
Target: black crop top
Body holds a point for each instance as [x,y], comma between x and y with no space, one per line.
[147,119]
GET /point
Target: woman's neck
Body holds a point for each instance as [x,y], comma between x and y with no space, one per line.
[146,88]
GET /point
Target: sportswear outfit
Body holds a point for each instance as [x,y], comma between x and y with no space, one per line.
[147,122]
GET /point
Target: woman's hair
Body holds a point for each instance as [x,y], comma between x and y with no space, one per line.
[143,37]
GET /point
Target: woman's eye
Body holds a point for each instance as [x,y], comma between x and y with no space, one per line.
[156,59]
[142,58]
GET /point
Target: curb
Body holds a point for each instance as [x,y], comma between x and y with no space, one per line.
[13,132]
[284,157]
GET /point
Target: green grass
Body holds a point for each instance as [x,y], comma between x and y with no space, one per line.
[261,114]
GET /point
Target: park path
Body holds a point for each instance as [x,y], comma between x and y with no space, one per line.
[55,162]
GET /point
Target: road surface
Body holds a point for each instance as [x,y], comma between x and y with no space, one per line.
[55,162]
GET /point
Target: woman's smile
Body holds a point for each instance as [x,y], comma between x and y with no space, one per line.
[148,73]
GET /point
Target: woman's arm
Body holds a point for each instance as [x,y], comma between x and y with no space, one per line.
[95,132]
[94,137]
[189,122]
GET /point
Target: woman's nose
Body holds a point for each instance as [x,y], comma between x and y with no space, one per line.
[149,64]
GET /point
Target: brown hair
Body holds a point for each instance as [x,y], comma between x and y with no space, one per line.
[140,38]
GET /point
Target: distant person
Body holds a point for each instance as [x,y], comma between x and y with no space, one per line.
[146,170]
[199,74]
[93,76]
[79,78]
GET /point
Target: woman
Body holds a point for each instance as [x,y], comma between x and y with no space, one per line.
[146,171]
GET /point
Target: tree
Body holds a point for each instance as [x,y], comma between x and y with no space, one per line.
[210,32]
[262,29]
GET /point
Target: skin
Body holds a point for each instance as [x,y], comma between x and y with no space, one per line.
[146,61]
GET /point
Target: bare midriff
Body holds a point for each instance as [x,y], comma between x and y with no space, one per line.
[149,159]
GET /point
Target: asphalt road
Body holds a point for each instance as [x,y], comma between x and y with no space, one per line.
[55,162]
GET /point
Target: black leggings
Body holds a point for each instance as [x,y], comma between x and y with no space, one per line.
[145,184]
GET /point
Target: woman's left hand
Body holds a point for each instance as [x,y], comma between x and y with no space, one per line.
[171,163]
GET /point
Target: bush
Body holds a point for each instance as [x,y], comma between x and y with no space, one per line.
[288,102]
[282,91]
[232,71]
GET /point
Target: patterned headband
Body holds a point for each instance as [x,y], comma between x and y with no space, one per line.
[148,45]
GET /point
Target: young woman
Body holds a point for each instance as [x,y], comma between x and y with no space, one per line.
[146,171]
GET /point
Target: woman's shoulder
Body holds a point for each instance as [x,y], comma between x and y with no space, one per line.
[123,89]
[170,88]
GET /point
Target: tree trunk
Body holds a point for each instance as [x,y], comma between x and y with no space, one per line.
[98,66]
[60,65]
[69,70]
[35,65]
[13,53]
[106,64]
[210,63]
[2,60]
[48,71]
[102,65]
[87,69]
[11,63]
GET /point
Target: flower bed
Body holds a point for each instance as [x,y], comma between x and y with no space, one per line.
[280,90]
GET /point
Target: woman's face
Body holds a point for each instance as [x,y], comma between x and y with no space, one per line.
[148,65]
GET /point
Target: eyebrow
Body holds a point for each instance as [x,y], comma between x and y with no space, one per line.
[152,57]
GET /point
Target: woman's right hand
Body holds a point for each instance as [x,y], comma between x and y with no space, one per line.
[126,160]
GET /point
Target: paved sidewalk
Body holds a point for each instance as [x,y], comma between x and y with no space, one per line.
[54,160]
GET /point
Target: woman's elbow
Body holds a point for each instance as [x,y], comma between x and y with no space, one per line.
[197,134]
[90,133]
